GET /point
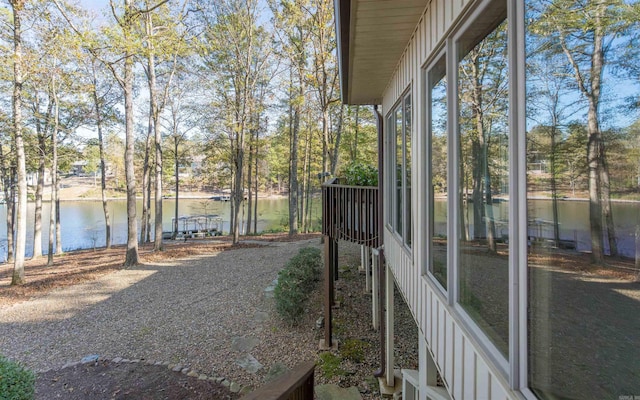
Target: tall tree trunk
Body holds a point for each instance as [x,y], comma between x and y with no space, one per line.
[146,184]
[131,258]
[103,164]
[336,145]
[158,241]
[7,184]
[554,184]
[37,217]
[255,204]
[250,183]
[293,167]
[177,179]
[53,213]
[21,212]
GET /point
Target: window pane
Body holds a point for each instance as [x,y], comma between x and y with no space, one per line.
[390,168]
[407,178]
[583,147]
[483,165]
[399,145]
[438,166]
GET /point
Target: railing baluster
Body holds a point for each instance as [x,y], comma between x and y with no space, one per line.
[350,213]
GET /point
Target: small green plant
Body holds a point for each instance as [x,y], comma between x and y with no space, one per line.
[330,365]
[295,282]
[353,349]
[360,174]
[16,382]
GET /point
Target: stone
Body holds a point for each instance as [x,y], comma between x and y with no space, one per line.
[177,368]
[260,316]
[202,377]
[219,379]
[89,359]
[334,392]
[268,291]
[226,383]
[117,360]
[244,344]
[249,363]
[234,387]
[193,374]
[135,361]
[320,323]
[125,360]
[246,390]
[185,370]
[275,371]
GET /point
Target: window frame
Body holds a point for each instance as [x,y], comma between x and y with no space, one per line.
[508,365]
[440,56]
[397,224]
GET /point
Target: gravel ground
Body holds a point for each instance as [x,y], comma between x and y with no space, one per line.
[210,314]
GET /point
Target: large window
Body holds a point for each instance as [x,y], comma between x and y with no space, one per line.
[399,130]
[483,140]
[583,186]
[437,154]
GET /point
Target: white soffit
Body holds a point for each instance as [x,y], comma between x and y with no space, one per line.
[379,31]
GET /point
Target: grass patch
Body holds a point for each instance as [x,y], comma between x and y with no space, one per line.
[354,349]
[330,365]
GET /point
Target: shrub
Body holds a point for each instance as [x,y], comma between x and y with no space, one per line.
[16,382]
[295,282]
[360,174]
[353,349]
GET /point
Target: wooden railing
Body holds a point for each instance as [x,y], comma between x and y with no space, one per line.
[296,384]
[350,213]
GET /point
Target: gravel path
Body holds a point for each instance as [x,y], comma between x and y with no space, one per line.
[189,313]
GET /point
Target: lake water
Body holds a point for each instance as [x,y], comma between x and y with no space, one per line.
[82,222]
[573,218]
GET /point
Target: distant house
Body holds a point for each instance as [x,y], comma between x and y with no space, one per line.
[502,309]
[78,167]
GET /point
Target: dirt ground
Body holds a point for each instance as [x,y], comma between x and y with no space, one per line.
[107,380]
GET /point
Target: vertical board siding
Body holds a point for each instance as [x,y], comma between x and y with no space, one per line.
[449,351]
[465,373]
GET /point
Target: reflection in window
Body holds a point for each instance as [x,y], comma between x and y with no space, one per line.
[407,174]
[399,142]
[400,131]
[583,130]
[437,152]
[483,183]
[390,177]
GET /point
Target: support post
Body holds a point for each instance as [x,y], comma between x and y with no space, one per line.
[328,291]
[375,300]
[389,328]
[367,267]
[334,252]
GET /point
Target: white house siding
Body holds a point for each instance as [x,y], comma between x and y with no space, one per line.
[466,372]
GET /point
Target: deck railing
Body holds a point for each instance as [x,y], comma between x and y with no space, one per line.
[296,384]
[350,213]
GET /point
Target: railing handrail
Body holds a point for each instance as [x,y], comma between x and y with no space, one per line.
[298,381]
[334,182]
[350,213]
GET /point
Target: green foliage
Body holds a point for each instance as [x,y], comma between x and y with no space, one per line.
[360,174]
[295,282]
[16,382]
[330,365]
[353,349]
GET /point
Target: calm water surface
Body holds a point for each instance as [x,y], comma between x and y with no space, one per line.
[82,222]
